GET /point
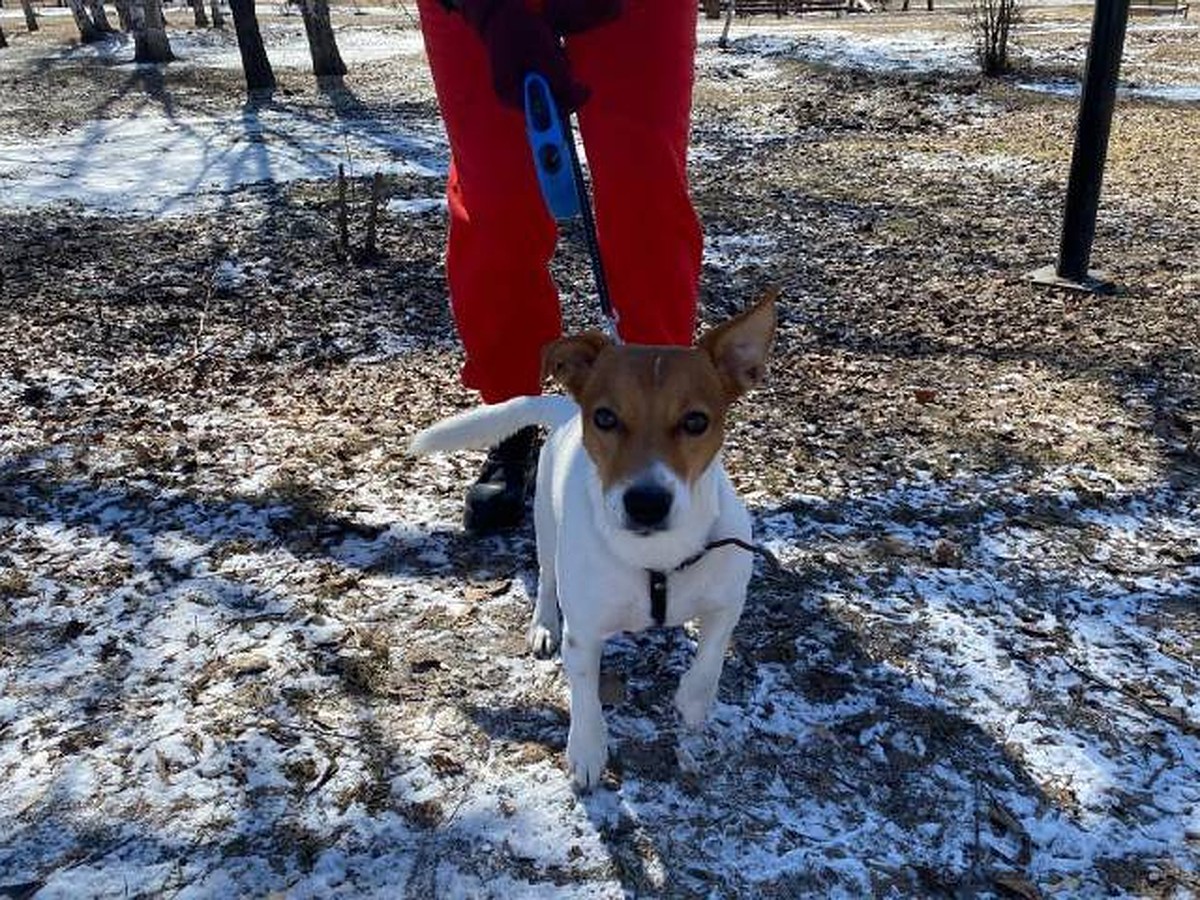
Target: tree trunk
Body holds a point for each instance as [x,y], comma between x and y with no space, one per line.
[150,44]
[124,16]
[87,31]
[712,9]
[31,22]
[327,62]
[218,17]
[99,18]
[3,39]
[255,64]
[201,17]
[729,11]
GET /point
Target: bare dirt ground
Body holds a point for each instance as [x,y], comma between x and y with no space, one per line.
[245,648]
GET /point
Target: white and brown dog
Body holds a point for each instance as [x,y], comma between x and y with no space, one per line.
[631,494]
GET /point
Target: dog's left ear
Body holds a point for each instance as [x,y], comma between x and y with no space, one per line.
[739,348]
[569,360]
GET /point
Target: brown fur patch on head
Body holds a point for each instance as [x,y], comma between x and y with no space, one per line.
[739,348]
[569,360]
[650,391]
[654,393]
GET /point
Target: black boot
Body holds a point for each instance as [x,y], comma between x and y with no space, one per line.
[496,501]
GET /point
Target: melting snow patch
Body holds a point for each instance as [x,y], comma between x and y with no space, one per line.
[907,51]
[1171,93]
[733,251]
[159,165]
[949,162]
[415,206]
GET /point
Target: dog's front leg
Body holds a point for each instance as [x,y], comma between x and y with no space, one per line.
[698,686]
[543,633]
[587,742]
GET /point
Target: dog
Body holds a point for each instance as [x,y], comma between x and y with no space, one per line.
[637,521]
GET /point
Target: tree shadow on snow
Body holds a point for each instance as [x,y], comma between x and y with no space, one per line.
[834,759]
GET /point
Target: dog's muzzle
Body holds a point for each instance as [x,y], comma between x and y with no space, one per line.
[647,507]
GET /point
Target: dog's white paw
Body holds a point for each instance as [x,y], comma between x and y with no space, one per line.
[542,640]
[694,699]
[586,758]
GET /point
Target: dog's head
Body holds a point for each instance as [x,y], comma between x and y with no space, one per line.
[654,417]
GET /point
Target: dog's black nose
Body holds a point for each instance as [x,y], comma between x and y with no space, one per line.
[647,505]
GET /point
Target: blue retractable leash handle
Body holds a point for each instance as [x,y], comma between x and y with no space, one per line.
[560,176]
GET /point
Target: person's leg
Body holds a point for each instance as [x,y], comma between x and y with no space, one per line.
[501,239]
[640,70]
[501,236]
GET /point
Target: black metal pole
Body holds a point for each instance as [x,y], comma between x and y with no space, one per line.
[1091,138]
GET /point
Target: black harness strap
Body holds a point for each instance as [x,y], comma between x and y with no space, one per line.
[658,578]
[658,596]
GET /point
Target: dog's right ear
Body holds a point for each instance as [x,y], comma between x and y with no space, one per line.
[569,360]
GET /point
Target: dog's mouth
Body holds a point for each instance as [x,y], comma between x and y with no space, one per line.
[645,530]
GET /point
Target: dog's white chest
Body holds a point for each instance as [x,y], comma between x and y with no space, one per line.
[603,574]
[611,597]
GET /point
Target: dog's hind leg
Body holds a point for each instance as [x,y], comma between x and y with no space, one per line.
[698,686]
[544,630]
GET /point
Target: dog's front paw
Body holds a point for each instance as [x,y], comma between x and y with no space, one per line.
[586,757]
[694,699]
[542,640]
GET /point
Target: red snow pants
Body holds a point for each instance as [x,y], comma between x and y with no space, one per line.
[639,69]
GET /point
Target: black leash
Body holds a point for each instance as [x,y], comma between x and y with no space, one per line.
[658,578]
[589,231]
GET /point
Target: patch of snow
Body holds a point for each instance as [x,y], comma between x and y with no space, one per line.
[733,251]
[415,206]
[949,162]
[159,165]
[904,51]
[1171,93]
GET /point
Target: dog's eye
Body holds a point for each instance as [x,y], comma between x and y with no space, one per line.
[604,418]
[695,423]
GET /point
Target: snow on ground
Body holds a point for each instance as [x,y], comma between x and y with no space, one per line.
[173,699]
[159,165]
[230,688]
[1172,93]
[928,52]
[416,205]
[286,47]
[904,51]
[155,164]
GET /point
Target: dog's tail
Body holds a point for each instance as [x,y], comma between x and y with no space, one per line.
[488,425]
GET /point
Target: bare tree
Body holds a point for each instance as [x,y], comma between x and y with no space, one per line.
[124,15]
[218,17]
[255,65]
[99,19]
[730,9]
[31,22]
[150,43]
[992,23]
[199,15]
[3,39]
[88,33]
[327,61]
